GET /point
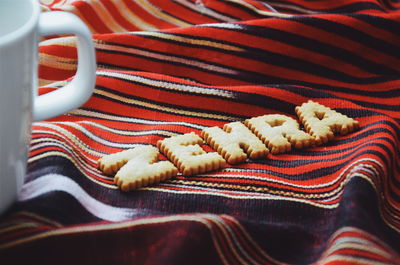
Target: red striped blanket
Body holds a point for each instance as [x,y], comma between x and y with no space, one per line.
[171,67]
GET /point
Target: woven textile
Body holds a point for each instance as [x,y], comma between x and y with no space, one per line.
[166,68]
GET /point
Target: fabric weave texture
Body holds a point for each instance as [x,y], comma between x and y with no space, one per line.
[169,67]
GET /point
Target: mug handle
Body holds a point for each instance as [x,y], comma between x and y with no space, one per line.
[78,91]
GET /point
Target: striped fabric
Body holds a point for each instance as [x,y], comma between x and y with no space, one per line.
[171,67]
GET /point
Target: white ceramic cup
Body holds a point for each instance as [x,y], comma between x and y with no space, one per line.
[21,25]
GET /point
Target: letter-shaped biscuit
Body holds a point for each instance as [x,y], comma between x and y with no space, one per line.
[142,168]
[279,132]
[110,164]
[322,122]
[187,155]
[233,141]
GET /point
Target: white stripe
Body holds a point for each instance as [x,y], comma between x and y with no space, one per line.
[358,244]
[106,16]
[170,85]
[118,131]
[88,113]
[294,8]
[200,8]
[270,7]
[355,166]
[167,58]
[57,182]
[158,13]
[50,142]
[232,242]
[82,165]
[272,13]
[132,17]
[240,196]
[222,25]
[253,244]
[346,259]
[79,142]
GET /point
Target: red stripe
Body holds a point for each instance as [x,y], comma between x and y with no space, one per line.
[90,15]
[113,11]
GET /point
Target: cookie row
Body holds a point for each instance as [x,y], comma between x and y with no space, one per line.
[234,143]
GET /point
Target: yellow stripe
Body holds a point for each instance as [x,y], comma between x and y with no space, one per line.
[258,11]
[51,142]
[159,14]
[276,192]
[189,40]
[68,135]
[40,218]
[45,82]
[169,58]
[371,248]
[69,41]
[121,132]
[61,154]
[204,10]
[88,113]
[56,84]
[69,147]
[253,243]
[72,157]
[351,260]
[171,86]
[292,196]
[57,62]
[106,17]
[104,227]
[372,240]
[125,12]
[162,108]
[216,242]
[17,227]
[241,197]
[230,238]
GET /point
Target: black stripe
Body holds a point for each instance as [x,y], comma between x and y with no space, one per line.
[356,7]
[352,34]
[281,60]
[312,174]
[255,77]
[232,18]
[343,8]
[241,74]
[387,24]
[162,104]
[169,14]
[243,8]
[242,97]
[317,46]
[191,125]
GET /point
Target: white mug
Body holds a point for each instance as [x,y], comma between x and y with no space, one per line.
[21,25]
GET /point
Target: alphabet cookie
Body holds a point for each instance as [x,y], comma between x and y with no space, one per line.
[187,155]
[142,168]
[323,122]
[234,141]
[279,132]
[110,164]
[139,166]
